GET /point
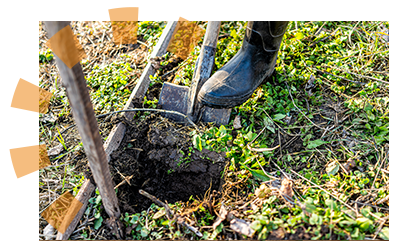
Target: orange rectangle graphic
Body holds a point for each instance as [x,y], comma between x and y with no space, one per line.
[66,46]
[25,96]
[44,159]
[185,37]
[62,211]
[124,32]
[25,160]
[44,100]
[124,14]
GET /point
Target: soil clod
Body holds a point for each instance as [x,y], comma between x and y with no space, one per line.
[166,165]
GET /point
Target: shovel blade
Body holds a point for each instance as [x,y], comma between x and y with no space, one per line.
[218,116]
[174,98]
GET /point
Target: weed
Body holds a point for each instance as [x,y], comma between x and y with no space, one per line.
[149,225]
[61,140]
[283,108]
[45,56]
[97,207]
[108,85]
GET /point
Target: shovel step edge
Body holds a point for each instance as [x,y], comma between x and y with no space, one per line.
[174,98]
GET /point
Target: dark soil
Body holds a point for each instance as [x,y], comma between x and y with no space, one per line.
[158,157]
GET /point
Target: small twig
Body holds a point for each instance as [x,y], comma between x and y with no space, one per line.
[193,229]
[280,169]
[361,76]
[270,176]
[322,71]
[334,196]
[319,30]
[262,149]
[126,179]
[366,204]
[170,214]
[140,42]
[278,124]
[323,39]
[382,200]
[291,97]
[383,220]
[380,166]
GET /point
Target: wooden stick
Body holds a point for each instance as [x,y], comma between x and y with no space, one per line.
[160,49]
[140,89]
[82,110]
[83,196]
[118,131]
[203,68]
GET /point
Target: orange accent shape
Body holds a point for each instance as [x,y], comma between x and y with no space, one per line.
[44,159]
[25,97]
[62,211]
[185,37]
[44,100]
[66,46]
[124,32]
[26,160]
[124,14]
[181,18]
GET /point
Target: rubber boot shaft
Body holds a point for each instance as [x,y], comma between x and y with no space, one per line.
[235,82]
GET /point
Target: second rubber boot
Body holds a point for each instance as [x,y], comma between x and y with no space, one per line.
[236,81]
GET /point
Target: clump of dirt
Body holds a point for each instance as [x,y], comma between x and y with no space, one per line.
[157,156]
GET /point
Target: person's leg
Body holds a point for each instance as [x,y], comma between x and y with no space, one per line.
[235,82]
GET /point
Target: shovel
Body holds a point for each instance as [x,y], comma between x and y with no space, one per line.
[183,99]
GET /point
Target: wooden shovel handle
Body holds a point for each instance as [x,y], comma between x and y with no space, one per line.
[203,67]
[212,32]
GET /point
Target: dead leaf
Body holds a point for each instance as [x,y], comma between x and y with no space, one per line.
[242,226]
[262,191]
[350,164]
[287,188]
[55,150]
[49,232]
[223,212]
[159,214]
[232,215]
[332,167]
[236,123]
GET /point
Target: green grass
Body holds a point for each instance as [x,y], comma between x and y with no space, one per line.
[350,63]
[108,85]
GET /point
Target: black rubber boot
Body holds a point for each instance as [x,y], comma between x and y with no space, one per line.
[236,81]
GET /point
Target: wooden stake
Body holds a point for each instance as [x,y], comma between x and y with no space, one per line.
[117,133]
[83,113]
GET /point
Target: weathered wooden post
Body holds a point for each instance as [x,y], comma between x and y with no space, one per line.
[83,113]
[117,133]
